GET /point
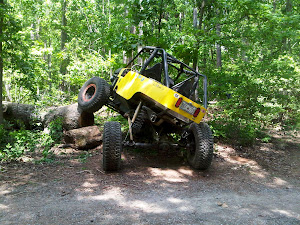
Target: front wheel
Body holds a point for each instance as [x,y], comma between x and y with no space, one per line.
[112,146]
[200,153]
[93,94]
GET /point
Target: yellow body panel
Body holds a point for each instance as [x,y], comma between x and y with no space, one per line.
[133,83]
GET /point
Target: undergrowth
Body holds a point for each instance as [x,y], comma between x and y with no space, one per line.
[16,143]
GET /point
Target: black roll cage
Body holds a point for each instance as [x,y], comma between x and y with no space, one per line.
[167,60]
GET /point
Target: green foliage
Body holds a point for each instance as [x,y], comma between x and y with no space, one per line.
[56,130]
[16,143]
[51,136]
[258,98]
[84,156]
[122,120]
[266,139]
[259,44]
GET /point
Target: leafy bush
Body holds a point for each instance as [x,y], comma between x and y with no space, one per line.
[122,120]
[51,136]
[16,143]
[56,129]
[252,97]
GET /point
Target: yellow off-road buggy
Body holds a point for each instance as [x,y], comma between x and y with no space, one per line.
[158,94]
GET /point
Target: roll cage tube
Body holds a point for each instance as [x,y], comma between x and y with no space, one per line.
[167,60]
[153,54]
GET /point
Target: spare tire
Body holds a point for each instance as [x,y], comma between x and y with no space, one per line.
[93,94]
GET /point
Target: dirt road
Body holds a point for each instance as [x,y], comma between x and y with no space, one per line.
[260,185]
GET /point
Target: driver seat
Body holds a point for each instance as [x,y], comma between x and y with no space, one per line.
[154,72]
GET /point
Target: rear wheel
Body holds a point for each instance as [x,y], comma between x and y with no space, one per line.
[200,153]
[139,121]
[93,94]
[112,146]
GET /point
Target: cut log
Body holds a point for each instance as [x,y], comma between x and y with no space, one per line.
[84,138]
[31,117]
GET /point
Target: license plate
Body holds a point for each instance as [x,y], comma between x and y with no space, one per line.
[189,108]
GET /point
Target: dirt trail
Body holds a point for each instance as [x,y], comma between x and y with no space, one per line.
[260,185]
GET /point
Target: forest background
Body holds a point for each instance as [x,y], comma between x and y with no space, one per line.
[248,49]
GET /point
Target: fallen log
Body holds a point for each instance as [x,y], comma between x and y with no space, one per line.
[84,138]
[32,117]
[20,113]
[72,117]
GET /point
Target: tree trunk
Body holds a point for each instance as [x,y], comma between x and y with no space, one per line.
[218,46]
[110,70]
[180,21]
[31,117]
[32,35]
[20,113]
[289,5]
[64,37]
[274,6]
[64,24]
[141,24]
[1,62]
[7,89]
[160,17]
[84,138]
[47,58]
[195,59]
[198,26]
[286,41]
[195,12]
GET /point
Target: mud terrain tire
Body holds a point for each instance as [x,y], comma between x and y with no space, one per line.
[200,156]
[139,121]
[93,94]
[112,146]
